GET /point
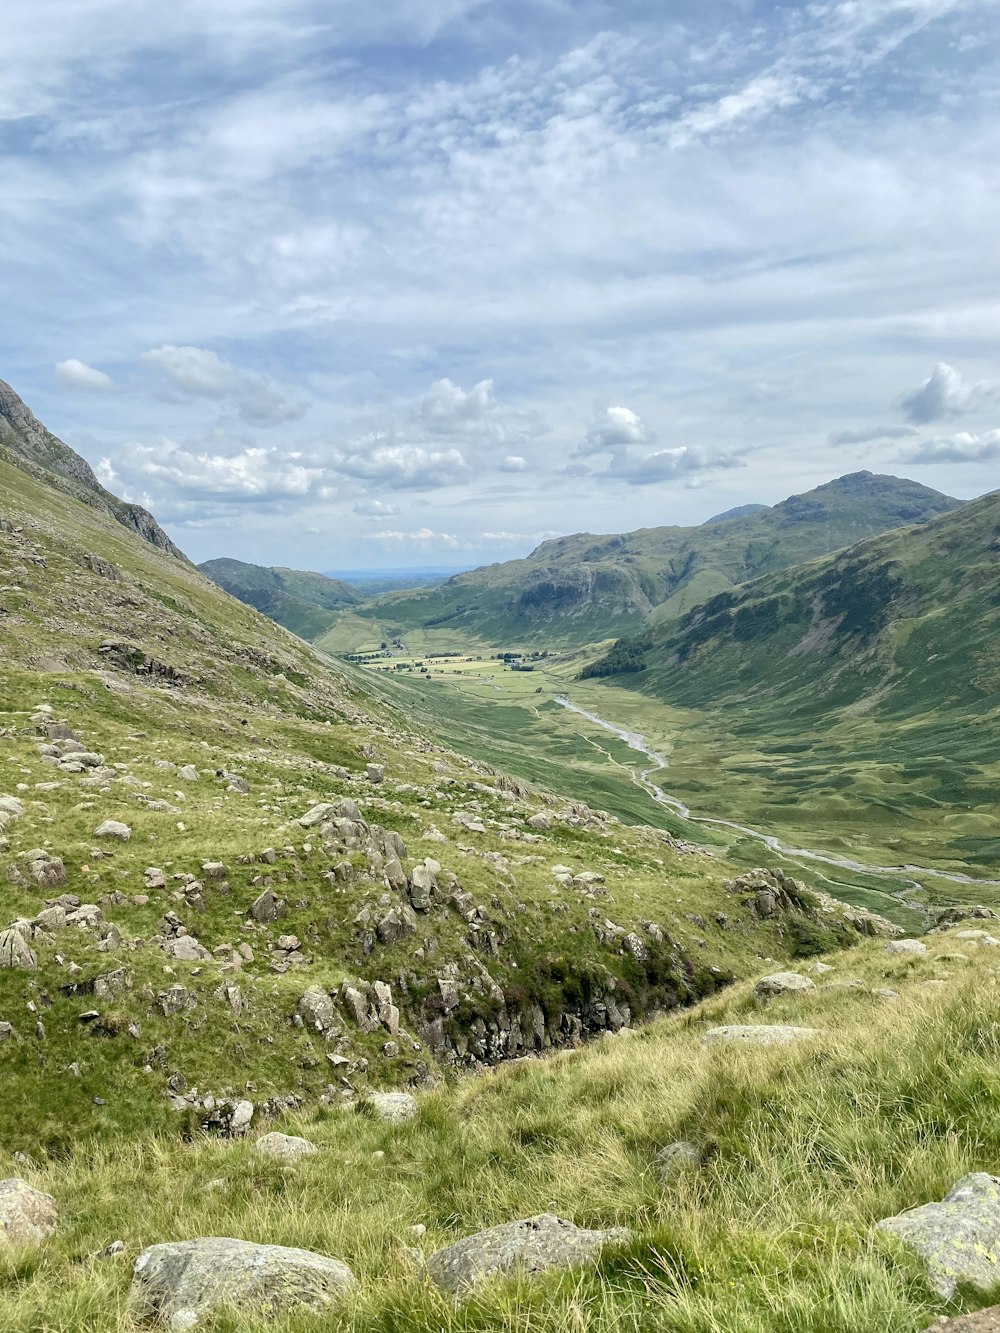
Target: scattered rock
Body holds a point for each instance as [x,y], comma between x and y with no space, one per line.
[983,1321]
[913,948]
[286,1147]
[26,1214]
[758,1034]
[113,828]
[395,1108]
[782,983]
[959,1238]
[676,1158]
[530,1245]
[180,1281]
[15,951]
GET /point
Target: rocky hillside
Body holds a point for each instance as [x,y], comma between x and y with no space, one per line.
[306,603]
[25,442]
[236,879]
[584,588]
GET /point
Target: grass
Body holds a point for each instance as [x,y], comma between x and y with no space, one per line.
[805,1149]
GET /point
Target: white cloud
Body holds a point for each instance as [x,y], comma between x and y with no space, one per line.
[375,509]
[251,474]
[401,466]
[959,448]
[514,463]
[421,537]
[864,434]
[669,464]
[615,428]
[945,393]
[78,375]
[198,372]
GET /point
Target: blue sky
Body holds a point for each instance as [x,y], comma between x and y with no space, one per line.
[426,281]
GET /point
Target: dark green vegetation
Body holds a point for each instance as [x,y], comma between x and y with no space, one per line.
[303,602]
[581,589]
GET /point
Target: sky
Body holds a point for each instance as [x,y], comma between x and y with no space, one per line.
[424,282]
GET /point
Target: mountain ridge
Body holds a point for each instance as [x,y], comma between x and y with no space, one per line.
[29,444]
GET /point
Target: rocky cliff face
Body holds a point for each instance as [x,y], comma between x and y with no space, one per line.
[26,442]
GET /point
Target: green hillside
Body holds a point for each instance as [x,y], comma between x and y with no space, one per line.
[303,602]
[583,588]
[860,689]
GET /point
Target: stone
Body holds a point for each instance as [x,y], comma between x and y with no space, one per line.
[179,1282]
[154,878]
[111,984]
[983,1321]
[187,773]
[26,1214]
[394,1108]
[820,969]
[958,1238]
[317,1011]
[187,949]
[16,952]
[396,925]
[782,983]
[286,1147]
[113,828]
[530,1245]
[317,815]
[676,1158]
[10,805]
[375,772]
[757,1034]
[266,908]
[913,948]
[981,937]
[213,869]
[44,869]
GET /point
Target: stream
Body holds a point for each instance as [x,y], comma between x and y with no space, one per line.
[660,762]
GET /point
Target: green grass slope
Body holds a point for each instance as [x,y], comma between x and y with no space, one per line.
[304,602]
[803,1150]
[209,731]
[583,588]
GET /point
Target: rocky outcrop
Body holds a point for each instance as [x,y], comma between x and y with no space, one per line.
[28,444]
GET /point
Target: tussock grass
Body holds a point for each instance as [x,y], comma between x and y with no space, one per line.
[805,1147]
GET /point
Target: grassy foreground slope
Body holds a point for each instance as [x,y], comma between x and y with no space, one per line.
[803,1149]
[304,602]
[585,588]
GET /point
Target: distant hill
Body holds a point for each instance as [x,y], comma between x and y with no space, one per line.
[304,602]
[741,511]
[26,443]
[902,629]
[583,588]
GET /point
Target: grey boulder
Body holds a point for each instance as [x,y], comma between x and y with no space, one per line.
[529,1245]
[395,1108]
[758,1034]
[15,951]
[285,1147]
[958,1238]
[26,1214]
[180,1281]
[782,983]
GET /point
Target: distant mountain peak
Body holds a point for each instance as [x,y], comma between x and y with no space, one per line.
[30,446]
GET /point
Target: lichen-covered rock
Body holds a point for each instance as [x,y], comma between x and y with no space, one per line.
[181,1281]
[286,1147]
[782,983]
[15,951]
[26,1215]
[958,1238]
[913,948]
[758,1034]
[395,1108]
[113,828]
[529,1245]
[676,1158]
[983,1321]
[317,1011]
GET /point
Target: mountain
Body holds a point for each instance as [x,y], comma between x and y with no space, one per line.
[303,602]
[741,511]
[583,588]
[237,874]
[863,687]
[26,442]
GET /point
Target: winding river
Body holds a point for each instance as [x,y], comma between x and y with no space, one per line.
[660,762]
